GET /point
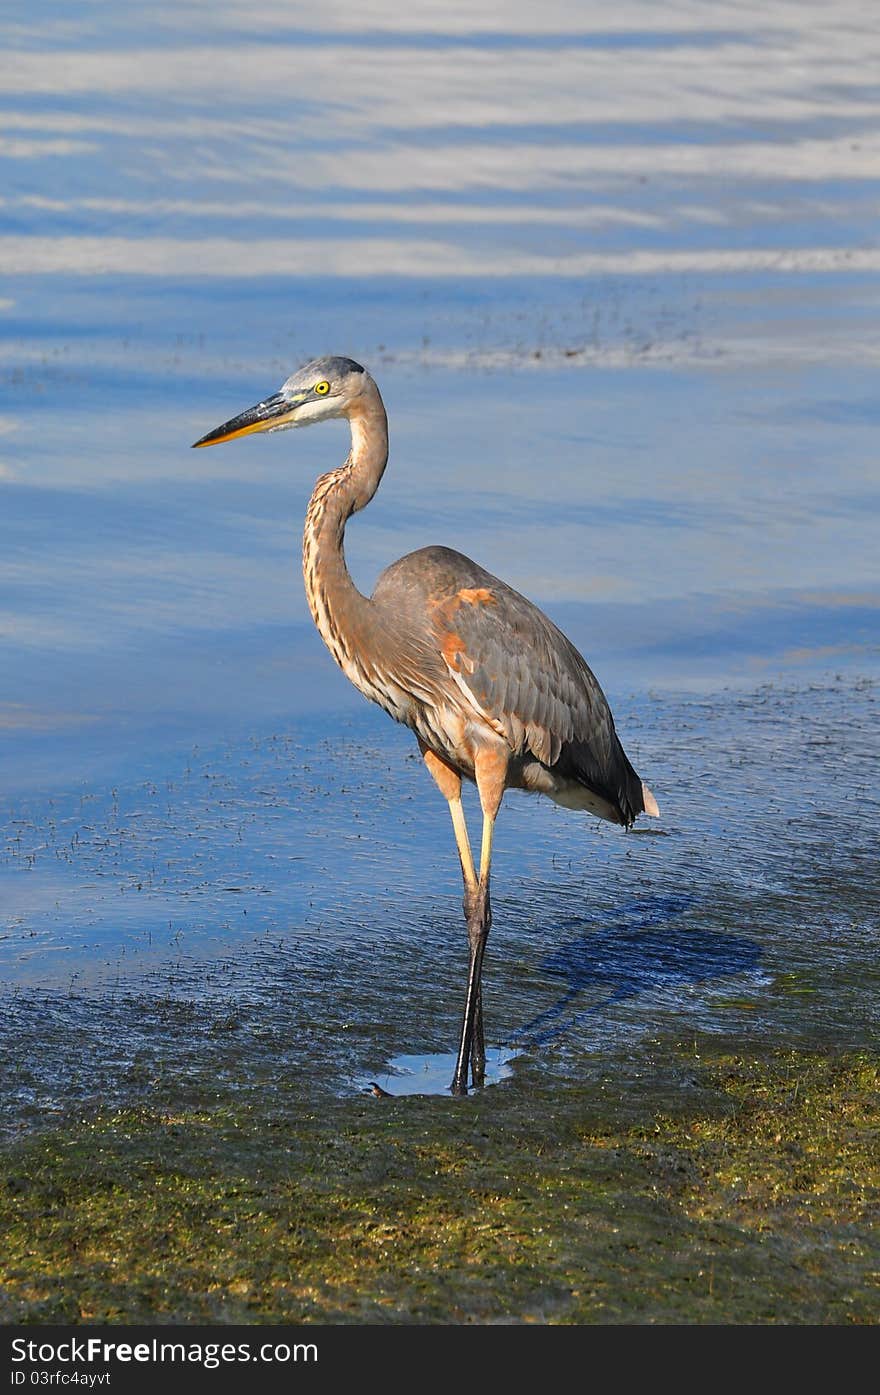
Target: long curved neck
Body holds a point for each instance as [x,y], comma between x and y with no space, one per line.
[338,608]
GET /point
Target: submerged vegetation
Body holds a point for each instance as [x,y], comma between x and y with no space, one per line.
[752,1197]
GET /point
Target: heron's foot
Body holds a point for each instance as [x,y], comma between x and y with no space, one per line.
[459,1084]
[477,1059]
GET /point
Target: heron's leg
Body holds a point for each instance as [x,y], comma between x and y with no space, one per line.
[471,898]
[491,772]
[472,1049]
[479,923]
[449,783]
[463,843]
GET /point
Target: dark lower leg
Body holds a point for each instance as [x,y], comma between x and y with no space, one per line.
[472,1050]
[478,1045]
[478,929]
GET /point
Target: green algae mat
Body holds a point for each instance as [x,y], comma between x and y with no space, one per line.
[723,1190]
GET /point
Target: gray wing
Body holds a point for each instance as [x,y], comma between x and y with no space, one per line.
[525,675]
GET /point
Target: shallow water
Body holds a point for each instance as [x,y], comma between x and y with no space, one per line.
[431,1075]
[618,286]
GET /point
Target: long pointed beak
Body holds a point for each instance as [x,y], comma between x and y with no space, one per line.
[265,416]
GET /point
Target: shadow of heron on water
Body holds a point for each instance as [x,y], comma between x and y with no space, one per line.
[645,947]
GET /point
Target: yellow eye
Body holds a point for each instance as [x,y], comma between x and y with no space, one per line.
[322,389]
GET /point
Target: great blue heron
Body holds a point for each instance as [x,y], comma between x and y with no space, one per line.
[494,692]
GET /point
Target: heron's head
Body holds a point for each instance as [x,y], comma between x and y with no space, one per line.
[326,387]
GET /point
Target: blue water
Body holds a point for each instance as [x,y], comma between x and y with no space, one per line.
[617,282]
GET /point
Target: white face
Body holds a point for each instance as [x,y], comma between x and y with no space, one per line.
[312,409]
[316,395]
